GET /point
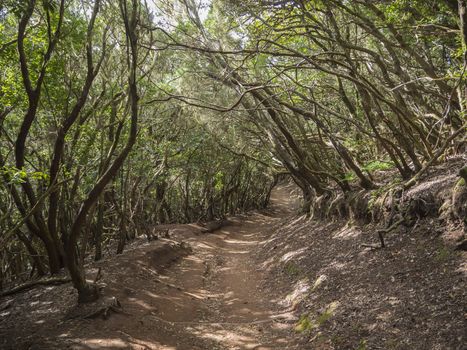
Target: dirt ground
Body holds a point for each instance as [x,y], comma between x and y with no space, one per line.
[270,280]
[172,299]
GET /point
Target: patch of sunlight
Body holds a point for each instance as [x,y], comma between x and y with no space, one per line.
[239,252]
[228,295]
[280,326]
[142,303]
[335,265]
[108,342]
[226,337]
[298,294]
[240,242]
[193,258]
[319,281]
[46,311]
[306,323]
[287,256]
[297,220]
[393,301]
[338,265]
[462,269]
[201,295]
[347,232]
[384,316]
[268,262]
[115,343]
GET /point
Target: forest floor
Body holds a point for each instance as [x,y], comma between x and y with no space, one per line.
[269,280]
[173,297]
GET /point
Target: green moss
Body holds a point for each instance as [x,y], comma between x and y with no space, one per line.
[292,269]
[443,254]
[304,324]
[307,324]
[362,345]
[378,165]
[323,317]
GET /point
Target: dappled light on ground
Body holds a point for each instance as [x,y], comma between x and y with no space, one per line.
[211,298]
[276,281]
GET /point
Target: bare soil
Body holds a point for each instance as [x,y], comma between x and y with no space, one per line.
[201,294]
[411,295]
[269,280]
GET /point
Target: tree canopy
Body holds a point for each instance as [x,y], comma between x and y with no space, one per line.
[118,116]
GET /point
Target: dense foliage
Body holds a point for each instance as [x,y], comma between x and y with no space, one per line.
[116,116]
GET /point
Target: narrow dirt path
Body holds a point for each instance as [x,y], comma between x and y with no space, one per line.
[211,299]
[220,301]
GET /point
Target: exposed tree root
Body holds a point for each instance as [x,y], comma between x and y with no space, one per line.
[214,225]
[438,154]
[105,311]
[7,305]
[381,235]
[41,282]
[99,309]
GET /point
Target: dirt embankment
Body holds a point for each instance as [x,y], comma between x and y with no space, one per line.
[410,295]
[440,193]
[349,293]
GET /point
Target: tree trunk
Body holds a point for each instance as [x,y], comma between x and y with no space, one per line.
[98,230]
[33,253]
[86,292]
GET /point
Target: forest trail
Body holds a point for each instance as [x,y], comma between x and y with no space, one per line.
[249,285]
[209,299]
[220,305]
